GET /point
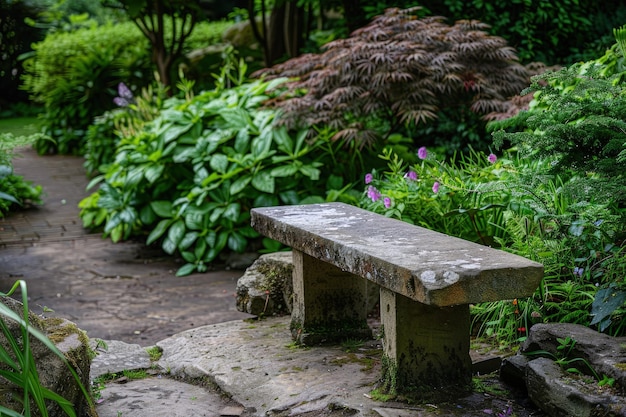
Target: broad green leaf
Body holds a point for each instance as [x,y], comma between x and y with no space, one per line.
[185,270]
[282,139]
[168,246]
[176,231]
[158,231]
[112,222]
[232,211]
[5,170]
[8,197]
[175,131]
[240,184]
[222,239]
[210,238]
[200,249]
[237,242]
[289,197]
[194,220]
[219,163]
[188,256]
[310,172]
[262,144]
[236,118]
[264,181]
[116,233]
[266,200]
[128,215]
[134,176]
[184,154]
[147,215]
[163,208]
[188,240]
[284,171]
[242,141]
[154,172]
[216,214]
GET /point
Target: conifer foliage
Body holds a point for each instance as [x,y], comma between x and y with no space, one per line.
[400,69]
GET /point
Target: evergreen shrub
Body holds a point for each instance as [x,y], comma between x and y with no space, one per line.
[75,76]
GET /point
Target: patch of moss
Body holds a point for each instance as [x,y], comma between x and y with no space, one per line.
[367,362]
[155,353]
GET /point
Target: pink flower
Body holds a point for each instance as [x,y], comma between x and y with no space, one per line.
[387,202]
[422,152]
[492,158]
[373,193]
[411,175]
[368,178]
[436,187]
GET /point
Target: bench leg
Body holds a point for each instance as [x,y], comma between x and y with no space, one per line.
[425,347]
[329,304]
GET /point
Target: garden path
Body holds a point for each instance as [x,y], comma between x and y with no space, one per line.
[122,291]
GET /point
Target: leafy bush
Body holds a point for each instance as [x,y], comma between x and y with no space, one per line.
[509,202]
[107,130]
[75,76]
[15,39]
[189,178]
[14,189]
[554,32]
[398,72]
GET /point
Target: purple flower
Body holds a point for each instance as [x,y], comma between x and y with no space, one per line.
[492,158]
[579,271]
[422,152]
[373,193]
[387,202]
[368,178]
[436,187]
[125,96]
[411,175]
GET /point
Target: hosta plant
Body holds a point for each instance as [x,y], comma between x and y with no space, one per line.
[188,179]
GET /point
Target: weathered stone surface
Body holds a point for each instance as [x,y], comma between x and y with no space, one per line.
[561,395]
[421,264]
[558,392]
[53,372]
[118,357]
[606,354]
[266,288]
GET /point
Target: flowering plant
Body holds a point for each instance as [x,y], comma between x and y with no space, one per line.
[461,198]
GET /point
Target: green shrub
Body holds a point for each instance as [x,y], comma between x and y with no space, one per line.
[75,76]
[510,203]
[190,177]
[15,191]
[128,119]
[554,32]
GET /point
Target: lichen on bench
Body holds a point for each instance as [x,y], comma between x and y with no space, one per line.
[427,281]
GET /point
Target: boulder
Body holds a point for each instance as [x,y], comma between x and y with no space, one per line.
[53,372]
[551,350]
[266,288]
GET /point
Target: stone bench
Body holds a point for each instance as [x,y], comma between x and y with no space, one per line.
[427,281]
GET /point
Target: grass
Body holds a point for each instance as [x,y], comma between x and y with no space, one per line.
[20,126]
